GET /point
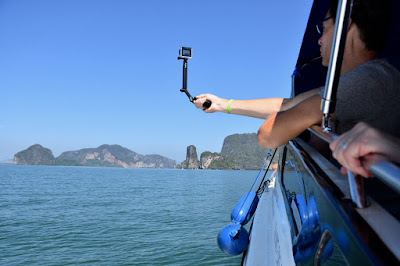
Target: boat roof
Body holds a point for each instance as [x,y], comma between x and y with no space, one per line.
[309,71]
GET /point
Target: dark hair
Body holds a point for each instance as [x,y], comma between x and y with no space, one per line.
[372,18]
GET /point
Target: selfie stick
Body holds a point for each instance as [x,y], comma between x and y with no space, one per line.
[184,81]
[207,103]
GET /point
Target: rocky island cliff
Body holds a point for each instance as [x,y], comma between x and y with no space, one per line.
[102,156]
[239,152]
[192,161]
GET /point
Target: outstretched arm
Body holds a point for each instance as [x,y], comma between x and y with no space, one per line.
[280,127]
[259,108]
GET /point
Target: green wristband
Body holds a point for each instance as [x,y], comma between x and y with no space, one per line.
[229,106]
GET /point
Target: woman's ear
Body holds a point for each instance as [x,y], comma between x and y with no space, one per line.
[352,29]
[350,24]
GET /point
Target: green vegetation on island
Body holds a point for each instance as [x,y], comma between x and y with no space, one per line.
[244,150]
[224,163]
[35,155]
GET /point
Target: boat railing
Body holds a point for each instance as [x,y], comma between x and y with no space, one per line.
[380,166]
[381,221]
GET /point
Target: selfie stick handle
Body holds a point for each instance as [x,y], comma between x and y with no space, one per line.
[206,104]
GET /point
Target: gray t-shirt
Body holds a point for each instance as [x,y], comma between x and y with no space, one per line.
[369,93]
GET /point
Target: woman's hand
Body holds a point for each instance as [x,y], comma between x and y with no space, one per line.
[217,104]
[352,147]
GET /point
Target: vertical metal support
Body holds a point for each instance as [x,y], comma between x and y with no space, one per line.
[335,61]
[328,103]
[357,190]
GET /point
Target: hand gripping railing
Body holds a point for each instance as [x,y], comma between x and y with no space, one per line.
[379,165]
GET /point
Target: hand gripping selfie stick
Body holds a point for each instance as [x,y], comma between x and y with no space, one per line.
[185,53]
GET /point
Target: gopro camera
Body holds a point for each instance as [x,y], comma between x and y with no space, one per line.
[185,52]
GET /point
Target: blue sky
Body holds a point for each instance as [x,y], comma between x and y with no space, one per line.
[80,73]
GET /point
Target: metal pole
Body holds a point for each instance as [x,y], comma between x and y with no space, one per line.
[332,80]
[335,61]
[357,191]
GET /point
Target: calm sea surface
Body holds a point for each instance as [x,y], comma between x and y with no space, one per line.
[52,215]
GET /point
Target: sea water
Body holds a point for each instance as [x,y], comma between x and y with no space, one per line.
[52,215]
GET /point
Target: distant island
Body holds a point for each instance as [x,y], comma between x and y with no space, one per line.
[239,152]
[102,156]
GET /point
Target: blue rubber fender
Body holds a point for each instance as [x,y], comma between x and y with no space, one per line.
[233,239]
[245,208]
